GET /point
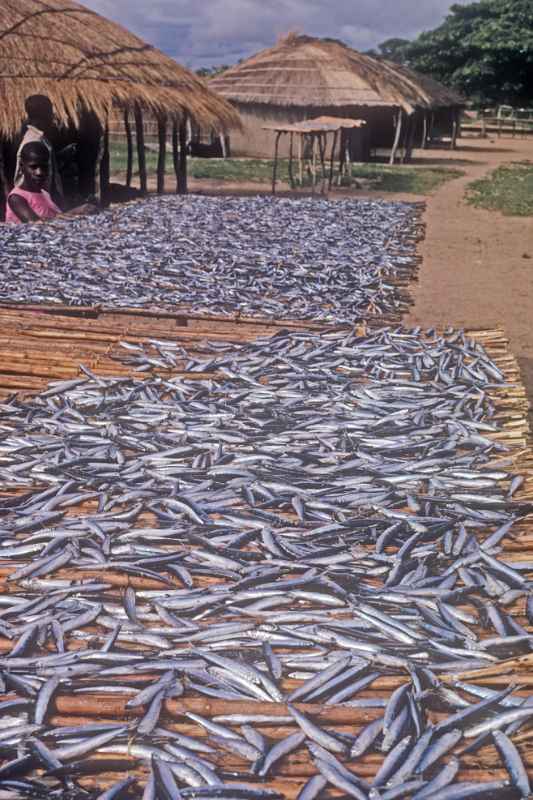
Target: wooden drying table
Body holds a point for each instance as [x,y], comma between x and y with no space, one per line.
[315,133]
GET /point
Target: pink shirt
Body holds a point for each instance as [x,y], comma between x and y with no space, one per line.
[40,203]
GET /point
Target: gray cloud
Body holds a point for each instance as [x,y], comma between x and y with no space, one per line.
[206,32]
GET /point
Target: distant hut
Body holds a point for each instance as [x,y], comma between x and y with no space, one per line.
[87,66]
[302,77]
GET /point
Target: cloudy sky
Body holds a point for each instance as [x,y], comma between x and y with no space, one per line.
[207,32]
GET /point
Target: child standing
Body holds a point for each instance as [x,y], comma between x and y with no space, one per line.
[30,201]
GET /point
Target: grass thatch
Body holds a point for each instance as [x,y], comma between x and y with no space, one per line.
[82,60]
[303,72]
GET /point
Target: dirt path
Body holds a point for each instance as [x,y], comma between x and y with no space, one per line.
[476,270]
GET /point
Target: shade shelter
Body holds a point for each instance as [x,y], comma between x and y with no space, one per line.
[88,65]
[440,115]
[303,77]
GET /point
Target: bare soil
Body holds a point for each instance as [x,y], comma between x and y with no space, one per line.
[477,266]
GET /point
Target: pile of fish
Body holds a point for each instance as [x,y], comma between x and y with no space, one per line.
[302,259]
[303,522]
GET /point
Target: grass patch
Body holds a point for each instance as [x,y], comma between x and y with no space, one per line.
[508,189]
[377,177]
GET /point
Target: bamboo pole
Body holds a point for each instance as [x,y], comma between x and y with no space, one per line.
[129,146]
[162,155]
[105,706]
[141,153]
[399,120]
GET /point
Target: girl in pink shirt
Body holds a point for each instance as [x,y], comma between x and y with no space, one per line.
[30,202]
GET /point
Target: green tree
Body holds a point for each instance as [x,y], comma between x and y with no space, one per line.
[210,72]
[395,50]
[484,49]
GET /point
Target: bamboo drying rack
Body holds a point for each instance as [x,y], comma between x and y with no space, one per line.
[40,343]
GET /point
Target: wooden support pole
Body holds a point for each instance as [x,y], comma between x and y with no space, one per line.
[162,156]
[182,161]
[322,139]
[300,159]
[129,146]
[175,152]
[291,151]
[431,125]
[425,124]
[275,167]
[409,139]
[332,159]
[342,157]
[347,155]
[98,166]
[223,145]
[4,188]
[313,168]
[141,153]
[397,136]
[455,129]
[105,167]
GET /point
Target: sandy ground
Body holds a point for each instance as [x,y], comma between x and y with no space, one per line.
[478,265]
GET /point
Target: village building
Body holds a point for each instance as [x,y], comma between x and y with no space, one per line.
[302,78]
[90,68]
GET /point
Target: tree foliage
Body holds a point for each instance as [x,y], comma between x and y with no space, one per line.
[484,49]
[395,50]
[210,72]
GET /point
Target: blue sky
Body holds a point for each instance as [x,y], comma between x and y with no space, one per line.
[206,32]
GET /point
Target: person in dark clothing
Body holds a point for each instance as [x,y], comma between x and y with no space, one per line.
[40,126]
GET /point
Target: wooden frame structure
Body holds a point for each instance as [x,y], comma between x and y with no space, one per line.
[312,136]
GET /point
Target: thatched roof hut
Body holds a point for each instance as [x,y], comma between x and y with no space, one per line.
[83,61]
[304,77]
[87,65]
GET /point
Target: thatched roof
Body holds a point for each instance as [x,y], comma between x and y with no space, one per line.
[436,94]
[78,58]
[303,72]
